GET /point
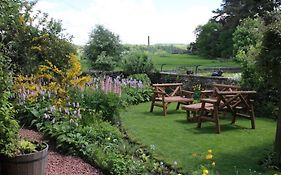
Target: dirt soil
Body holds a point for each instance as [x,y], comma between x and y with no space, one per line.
[59,164]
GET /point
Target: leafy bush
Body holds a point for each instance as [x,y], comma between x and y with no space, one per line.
[135,96]
[99,102]
[30,38]
[104,62]
[136,63]
[103,49]
[8,125]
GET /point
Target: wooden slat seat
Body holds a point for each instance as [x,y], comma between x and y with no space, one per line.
[167,93]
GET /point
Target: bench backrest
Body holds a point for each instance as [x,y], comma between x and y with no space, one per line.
[169,89]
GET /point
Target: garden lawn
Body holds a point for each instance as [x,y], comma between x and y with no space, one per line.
[175,61]
[237,149]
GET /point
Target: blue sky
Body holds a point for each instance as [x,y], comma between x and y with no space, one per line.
[165,21]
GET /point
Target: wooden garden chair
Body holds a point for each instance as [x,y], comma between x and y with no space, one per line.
[239,103]
[165,94]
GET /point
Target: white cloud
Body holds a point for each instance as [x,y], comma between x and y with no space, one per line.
[133,20]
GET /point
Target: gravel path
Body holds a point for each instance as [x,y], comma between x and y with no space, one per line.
[59,164]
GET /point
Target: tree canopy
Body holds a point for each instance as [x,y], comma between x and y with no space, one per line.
[104,47]
[229,15]
[29,38]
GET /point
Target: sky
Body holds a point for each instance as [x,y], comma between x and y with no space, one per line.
[165,21]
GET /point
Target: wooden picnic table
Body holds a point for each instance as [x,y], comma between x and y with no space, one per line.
[223,98]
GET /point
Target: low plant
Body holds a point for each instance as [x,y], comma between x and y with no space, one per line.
[135,96]
[206,165]
[141,77]
[136,62]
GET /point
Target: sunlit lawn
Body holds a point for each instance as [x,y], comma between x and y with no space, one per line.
[237,148]
[175,60]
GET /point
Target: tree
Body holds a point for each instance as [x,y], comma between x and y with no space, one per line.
[247,39]
[137,62]
[30,39]
[206,40]
[231,13]
[269,62]
[102,44]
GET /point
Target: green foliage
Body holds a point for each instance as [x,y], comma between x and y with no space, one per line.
[269,60]
[135,96]
[247,39]
[98,143]
[141,77]
[231,13]
[207,41]
[104,48]
[29,39]
[26,147]
[152,129]
[136,63]
[8,125]
[107,105]
[104,62]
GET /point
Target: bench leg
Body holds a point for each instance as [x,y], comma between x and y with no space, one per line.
[152,106]
[165,106]
[216,120]
[253,117]
[233,118]
[199,122]
[187,114]
[178,106]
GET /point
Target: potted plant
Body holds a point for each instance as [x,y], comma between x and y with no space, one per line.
[16,156]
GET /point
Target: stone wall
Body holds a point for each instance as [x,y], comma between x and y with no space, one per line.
[191,80]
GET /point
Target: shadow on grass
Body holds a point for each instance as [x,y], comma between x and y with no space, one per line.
[211,129]
[161,113]
[246,161]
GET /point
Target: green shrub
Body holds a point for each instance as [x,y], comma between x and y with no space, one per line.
[136,63]
[8,125]
[97,143]
[98,102]
[30,38]
[104,62]
[135,96]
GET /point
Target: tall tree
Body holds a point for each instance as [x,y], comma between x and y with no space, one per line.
[232,12]
[206,40]
[269,62]
[103,46]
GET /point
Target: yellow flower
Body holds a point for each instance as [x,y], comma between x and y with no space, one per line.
[205,171]
[209,156]
[210,151]
[194,154]
[21,20]
[214,164]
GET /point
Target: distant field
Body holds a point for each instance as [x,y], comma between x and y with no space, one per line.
[175,61]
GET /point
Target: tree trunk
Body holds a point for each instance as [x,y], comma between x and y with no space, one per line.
[277,146]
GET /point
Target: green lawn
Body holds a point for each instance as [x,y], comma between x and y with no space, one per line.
[174,61]
[176,139]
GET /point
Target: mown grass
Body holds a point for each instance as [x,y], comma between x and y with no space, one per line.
[236,149]
[176,61]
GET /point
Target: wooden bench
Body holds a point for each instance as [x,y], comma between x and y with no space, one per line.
[223,98]
[167,93]
[239,103]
